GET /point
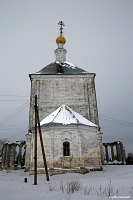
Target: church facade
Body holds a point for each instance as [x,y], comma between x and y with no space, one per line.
[63,83]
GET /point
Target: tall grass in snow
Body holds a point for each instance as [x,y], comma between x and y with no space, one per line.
[74,186]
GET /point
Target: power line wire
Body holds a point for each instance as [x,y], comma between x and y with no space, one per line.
[23,108]
[13,114]
[18,114]
[12,100]
[19,108]
[117,122]
[13,128]
[12,125]
[7,95]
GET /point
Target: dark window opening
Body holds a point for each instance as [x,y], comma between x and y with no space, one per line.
[66,149]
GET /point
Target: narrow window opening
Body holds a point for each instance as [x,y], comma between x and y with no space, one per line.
[66,149]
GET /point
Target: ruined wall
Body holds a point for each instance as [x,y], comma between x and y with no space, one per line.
[84,147]
[76,91]
[29,146]
[13,155]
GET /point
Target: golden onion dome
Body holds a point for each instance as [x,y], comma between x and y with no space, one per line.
[60,39]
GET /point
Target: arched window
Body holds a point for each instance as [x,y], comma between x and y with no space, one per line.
[66,149]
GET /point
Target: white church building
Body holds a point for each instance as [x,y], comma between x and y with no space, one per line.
[68,113]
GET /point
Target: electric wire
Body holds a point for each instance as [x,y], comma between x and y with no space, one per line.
[21,97]
[12,125]
[12,100]
[4,124]
[19,108]
[14,128]
[7,95]
[111,118]
[116,121]
[23,108]
[14,114]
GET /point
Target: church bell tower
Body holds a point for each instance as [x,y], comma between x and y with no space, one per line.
[62,82]
[59,83]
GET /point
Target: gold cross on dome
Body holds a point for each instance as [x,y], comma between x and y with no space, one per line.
[61,26]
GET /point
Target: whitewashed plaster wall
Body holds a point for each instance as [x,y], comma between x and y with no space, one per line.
[84,147]
[76,91]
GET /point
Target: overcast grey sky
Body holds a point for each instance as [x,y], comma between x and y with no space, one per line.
[99,36]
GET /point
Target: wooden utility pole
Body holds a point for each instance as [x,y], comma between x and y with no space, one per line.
[37,121]
[35,144]
[42,147]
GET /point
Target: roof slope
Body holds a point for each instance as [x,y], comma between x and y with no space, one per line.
[61,68]
[65,116]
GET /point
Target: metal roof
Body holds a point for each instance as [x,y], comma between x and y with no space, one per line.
[61,68]
[66,116]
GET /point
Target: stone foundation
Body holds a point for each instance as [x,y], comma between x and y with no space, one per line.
[55,171]
[70,164]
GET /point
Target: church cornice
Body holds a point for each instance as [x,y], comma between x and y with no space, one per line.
[42,76]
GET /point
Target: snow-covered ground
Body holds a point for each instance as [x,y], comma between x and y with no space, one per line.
[112,183]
